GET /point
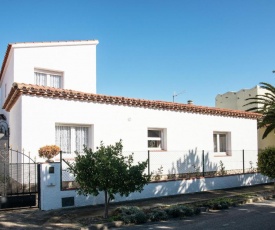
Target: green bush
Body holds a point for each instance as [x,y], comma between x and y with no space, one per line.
[179,211]
[174,211]
[188,211]
[158,215]
[266,162]
[130,214]
[219,203]
[197,211]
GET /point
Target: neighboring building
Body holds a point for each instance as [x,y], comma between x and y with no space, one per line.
[237,101]
[48,96]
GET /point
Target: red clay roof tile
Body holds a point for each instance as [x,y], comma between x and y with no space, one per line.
[19,89]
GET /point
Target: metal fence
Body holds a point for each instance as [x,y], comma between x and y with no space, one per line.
[184,164]
[18,173]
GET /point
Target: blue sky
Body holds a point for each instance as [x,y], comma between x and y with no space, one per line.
[152,48]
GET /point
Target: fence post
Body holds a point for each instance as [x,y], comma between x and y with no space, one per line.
[148,162]
[243,162]
[203,163]
[60,154]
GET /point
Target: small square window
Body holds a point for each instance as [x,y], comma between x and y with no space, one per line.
[155,139]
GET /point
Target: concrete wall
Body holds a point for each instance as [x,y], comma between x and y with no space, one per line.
[237,100]
[51,196]
[110,123]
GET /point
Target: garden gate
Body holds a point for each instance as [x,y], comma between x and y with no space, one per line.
[19,179]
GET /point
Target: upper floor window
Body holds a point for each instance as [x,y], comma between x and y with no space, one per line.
[48,78]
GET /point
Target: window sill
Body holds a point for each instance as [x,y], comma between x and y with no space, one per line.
[157,150]
[221,155]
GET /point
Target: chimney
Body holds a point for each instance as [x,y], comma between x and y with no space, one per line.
[190,102]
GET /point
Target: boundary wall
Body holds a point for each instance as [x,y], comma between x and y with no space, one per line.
[53,198]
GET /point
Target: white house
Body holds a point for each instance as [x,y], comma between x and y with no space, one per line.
[48,96]
[238,100]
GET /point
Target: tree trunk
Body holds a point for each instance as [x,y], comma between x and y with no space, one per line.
[274,186]
[106,204]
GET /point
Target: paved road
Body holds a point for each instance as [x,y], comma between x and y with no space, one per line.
[260,215]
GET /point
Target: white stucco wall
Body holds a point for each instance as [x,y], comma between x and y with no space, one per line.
[110,123]
[6,81]
[51,196]
[15,125]
[77,62]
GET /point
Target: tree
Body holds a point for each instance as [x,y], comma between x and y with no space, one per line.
[266,162]
[265,105]
[109,171]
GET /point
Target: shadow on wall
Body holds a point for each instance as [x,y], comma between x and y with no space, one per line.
[192,163]
[205,184]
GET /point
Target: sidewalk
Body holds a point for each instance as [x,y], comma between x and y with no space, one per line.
[68,218]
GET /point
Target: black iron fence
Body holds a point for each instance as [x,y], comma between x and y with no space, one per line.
[171,165]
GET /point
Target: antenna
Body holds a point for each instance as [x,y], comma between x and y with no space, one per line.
[177,94]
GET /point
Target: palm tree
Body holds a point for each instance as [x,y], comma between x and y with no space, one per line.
[265,105]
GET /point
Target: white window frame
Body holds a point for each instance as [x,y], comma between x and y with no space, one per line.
[218,151]
[73,135]
[162,139]
[48,74]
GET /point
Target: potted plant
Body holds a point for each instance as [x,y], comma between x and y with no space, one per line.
[48,152]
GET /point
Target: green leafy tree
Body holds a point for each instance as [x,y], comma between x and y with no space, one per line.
[266,163]
[265,105]
[109,171]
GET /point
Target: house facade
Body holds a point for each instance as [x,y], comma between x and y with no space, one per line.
[48,96]
[237,101]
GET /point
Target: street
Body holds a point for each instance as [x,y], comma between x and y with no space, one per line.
[260,215]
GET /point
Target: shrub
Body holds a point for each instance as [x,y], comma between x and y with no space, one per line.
[49,151]
[266,163]
[130,214]
[158,215]
[219,203]
[174,211]
[188,211]
[197,211]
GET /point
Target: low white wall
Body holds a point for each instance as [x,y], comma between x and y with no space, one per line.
[51,195]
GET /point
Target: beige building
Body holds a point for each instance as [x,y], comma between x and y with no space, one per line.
[236,101]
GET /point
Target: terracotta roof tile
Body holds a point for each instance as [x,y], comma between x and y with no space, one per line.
[19,89]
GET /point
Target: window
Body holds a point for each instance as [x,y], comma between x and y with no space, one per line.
[48,78]
[155,139]
[71,138]
[221,142]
